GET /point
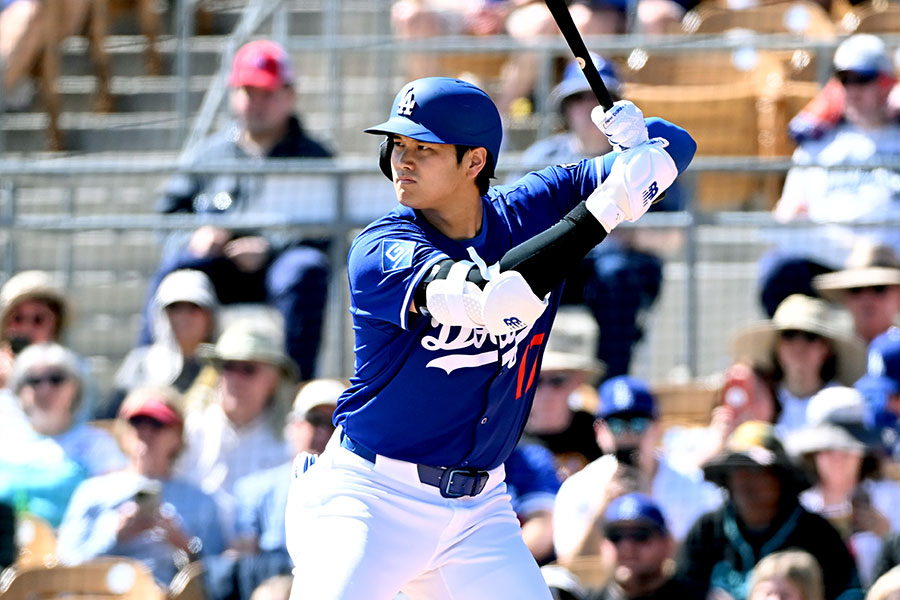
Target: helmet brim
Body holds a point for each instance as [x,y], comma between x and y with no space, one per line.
[404,126]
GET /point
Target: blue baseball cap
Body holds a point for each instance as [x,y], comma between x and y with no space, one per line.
[882,376]
[574,82]
[634,508]
[625,395]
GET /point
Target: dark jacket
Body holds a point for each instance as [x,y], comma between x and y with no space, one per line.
[193,193]
[718,553]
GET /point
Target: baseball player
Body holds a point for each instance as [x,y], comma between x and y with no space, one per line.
[453,293]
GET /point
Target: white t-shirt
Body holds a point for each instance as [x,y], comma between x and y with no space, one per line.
[681,493]
[842,195]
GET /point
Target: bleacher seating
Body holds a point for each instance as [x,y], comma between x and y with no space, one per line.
[101,579]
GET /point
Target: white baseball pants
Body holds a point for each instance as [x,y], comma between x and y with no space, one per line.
[363,531]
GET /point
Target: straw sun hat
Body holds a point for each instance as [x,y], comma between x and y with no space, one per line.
[798,312]
[868,265]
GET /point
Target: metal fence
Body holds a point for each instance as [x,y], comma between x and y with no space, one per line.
[91,220]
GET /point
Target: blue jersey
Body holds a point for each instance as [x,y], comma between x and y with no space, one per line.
[449,396]
[531,479]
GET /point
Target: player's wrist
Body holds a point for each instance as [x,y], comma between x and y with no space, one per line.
[605,209]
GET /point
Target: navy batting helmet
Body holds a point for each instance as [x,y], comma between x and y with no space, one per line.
[442,110]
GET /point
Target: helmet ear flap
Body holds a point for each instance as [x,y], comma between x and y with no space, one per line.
[384,157]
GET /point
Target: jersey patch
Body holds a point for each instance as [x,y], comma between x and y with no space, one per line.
[396,255]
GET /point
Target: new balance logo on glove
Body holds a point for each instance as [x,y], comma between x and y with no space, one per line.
[513,322]
[650,193]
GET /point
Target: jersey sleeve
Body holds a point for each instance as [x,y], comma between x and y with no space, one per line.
[385,266]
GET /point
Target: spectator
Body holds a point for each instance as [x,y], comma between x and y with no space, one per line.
[143,512]
[44,459]
[258,550]
[627,431]
[639,545]
[186,307]
[850,124]
[808,347]
[761,515]
[789,575]
[868,287]
[881,388]
[23,27]
[621,278]
[532,483]
[887,587]
[236,427]
[555,421]
[842,454]
[748,393]
[244,266]
[422,19]
[531,20]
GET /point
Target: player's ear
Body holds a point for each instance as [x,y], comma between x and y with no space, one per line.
[476,160]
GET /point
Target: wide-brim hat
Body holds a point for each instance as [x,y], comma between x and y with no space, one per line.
[248,340]
[835,421]
[572,345]
[868,265]
[757,343]
[754,445]
[34,285]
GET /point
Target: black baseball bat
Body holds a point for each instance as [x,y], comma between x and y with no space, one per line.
[560,12]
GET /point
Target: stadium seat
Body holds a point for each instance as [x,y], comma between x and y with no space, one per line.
[686,404]
[877,16]
[103,578]
[187,583]
[801,17]
[35,540]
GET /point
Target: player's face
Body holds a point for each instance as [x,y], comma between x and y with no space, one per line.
[427,176]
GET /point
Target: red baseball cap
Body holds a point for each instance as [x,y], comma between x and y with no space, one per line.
[147,403]
[263,64]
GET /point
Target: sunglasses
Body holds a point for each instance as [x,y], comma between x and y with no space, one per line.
[855,78]
[878,290]
[141,420]
[554,381]
[55,379]
[243,368]
[34,319]
[635,534]
[636,425]
[317,420]
[793,334]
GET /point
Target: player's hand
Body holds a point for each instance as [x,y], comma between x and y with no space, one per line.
[623,125]
[637,178]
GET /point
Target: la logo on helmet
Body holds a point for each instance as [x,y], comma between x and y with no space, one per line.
[407,104]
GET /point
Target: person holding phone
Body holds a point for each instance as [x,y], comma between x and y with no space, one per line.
[143,512]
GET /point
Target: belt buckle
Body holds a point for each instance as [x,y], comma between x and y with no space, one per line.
[479,477]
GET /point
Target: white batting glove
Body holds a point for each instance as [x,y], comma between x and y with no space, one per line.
[623,125]
[638,176]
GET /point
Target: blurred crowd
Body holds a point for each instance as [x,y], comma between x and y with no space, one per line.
[788,489]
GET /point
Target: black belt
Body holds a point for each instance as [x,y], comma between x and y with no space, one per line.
[453,482]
